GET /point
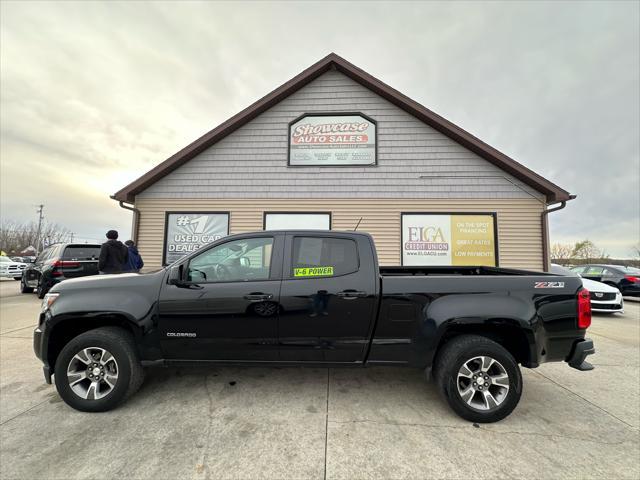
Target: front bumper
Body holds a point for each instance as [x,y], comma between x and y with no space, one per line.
[40,342]
[608,306]
[581,349]
[11,274]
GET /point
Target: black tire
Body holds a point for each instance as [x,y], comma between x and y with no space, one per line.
[17,278]
[41,290]
[121,345]
[24,288]
[454,355]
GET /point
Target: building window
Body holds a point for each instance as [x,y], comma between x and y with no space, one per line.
[449,239]
[297,221]
[186,232]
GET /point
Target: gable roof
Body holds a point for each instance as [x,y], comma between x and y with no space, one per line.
[552,191]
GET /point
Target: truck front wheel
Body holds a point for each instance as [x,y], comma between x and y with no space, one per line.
[479,378]
[97,370]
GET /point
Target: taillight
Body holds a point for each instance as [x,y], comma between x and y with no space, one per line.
[65,263]
[584,308]
[631,278]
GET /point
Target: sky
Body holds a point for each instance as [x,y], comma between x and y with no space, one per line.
[93,95]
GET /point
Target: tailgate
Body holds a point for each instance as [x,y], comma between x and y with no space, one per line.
[80,260]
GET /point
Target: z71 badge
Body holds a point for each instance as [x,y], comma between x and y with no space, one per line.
[548,285]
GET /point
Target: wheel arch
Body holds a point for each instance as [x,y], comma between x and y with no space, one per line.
[71,326]
[505,332]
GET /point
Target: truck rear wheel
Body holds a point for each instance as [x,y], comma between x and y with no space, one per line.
[98,370]
[479,378]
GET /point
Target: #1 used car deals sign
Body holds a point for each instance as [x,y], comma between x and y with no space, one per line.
[187,232]
[448,239]
[332,140]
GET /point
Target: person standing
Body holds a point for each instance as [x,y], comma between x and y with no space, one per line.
[113,254]
[134,263]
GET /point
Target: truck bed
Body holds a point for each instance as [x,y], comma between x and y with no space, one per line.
[399,271]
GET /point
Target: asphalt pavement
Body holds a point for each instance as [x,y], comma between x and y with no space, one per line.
[320,423]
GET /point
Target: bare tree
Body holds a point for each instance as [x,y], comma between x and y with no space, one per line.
[16,237]
[561,251]
[587,252]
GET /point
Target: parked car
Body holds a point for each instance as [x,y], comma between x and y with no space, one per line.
[10,268]
[313,298]
[604,298]
[57,263]
[625,279]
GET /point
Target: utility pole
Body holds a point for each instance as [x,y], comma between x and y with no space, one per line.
[72,234]
[40,218]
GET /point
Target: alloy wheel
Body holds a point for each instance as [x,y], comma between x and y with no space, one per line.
[92,373]
[483,383]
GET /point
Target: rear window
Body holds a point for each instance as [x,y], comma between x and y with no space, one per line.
[630,270]
[81,252]
[323,256]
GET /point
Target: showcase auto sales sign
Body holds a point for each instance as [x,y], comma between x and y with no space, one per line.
[332,140]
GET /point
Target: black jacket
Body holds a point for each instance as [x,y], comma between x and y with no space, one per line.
[113,255]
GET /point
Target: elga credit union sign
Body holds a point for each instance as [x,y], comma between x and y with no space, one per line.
[448,239]
[332,140]
[187,232]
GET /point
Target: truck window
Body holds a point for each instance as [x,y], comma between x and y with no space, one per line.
[245,260]
[323,256]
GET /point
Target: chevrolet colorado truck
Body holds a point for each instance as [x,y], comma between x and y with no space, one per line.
[316,298]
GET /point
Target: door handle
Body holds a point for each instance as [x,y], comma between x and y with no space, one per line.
[351,294]
[258,297]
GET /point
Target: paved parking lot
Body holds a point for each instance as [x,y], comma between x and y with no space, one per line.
[320,423]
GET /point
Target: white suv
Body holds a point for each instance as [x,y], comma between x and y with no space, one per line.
[11,269]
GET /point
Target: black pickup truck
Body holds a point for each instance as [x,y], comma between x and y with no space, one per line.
[312,298]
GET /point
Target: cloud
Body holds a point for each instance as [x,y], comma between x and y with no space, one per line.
[94,94]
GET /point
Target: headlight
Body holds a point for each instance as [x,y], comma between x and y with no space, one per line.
[49,300]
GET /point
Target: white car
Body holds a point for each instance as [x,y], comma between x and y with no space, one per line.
[11,269]
[604,298]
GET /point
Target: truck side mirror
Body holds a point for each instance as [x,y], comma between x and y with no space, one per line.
[175,275]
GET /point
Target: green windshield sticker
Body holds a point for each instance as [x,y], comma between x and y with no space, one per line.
[312,272]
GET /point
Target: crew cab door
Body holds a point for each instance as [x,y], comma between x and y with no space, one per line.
[226,308]
[328,298]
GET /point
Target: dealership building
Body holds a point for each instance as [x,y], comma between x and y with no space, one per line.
[335,148]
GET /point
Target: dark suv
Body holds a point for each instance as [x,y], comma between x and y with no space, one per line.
[625,279]
[57,263]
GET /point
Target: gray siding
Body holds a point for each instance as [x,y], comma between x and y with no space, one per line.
[252,161]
